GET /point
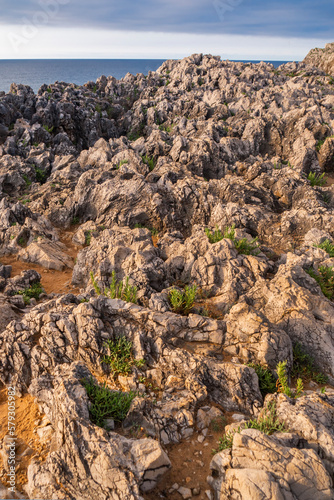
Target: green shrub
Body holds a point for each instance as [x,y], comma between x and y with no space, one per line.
[327,246]
[243,246]
[150,162]
[120,358]
[48,129]
[40,175]
[319,144]
[325,279]
[282,382]
[267,381]
[31,293]
[107,404]
[316,180]
[225,442]
[182,300]
[88,237]
[268,423]
[27,180]
[75,221]
[304,366]
[117,289]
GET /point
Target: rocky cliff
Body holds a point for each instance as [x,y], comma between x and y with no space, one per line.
[167,284]
[322,58]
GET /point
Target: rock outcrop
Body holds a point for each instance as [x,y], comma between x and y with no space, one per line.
[322,58]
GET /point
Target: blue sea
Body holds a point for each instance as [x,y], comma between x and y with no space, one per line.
[36,72]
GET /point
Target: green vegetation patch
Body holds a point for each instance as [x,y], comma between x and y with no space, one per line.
[267,381]
[106,403]
[316,179]
[243,246]
[304,366]
[31,293]
[182,300]
[120,358]
[117,289]
[325,279]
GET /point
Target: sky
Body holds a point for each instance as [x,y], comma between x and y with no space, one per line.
[234,29]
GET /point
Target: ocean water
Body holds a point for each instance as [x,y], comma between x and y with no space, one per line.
[36,72]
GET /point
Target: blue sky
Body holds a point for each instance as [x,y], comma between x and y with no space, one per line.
[71,28]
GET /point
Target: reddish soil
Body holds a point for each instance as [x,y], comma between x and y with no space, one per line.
[52,281]
[190,464]
[27,418]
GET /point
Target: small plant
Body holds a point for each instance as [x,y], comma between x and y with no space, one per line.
[40,175]
[49,90]
[267,381]
[120,358]
[117,289]
[304,366]
[243,246]
[31,293]
[319,144]
[88,237]
[218,424]
[316,180]
[268,423]
[75,221]
[326,198]
[98,108]
[27,180]
[153,231]
[122,162]
[150,162]
[105,403]
[48,129]
[21,241]
[182,300]
[327,246]
[215,235]
[282,382]
[325,279]
[225,442]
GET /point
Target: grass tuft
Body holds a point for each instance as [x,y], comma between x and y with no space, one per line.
[117,289]
[243,246]
[316,180]
[182,300]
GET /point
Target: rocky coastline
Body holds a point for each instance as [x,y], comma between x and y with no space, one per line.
[167,283]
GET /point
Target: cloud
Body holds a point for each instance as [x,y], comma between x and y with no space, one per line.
[301,18]
[51,42]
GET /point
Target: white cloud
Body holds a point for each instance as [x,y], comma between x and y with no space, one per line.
[19,42]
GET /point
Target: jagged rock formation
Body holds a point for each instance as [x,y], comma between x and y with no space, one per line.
[322,58]
[135,172]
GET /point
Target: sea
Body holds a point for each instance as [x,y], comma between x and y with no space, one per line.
[36,72]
